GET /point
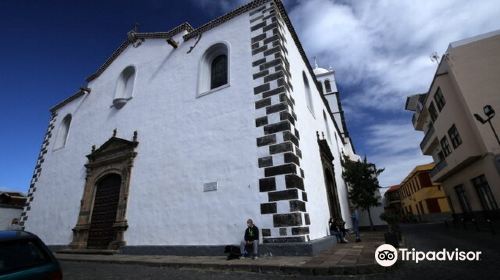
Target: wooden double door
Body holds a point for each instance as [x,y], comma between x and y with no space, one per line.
[107,194]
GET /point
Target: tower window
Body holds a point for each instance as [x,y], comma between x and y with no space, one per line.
[328,86]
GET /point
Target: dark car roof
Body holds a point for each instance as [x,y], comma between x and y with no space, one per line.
[15,235]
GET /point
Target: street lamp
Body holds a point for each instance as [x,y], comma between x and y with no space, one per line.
[490,113]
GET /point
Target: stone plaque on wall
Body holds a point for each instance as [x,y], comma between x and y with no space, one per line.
[208,187]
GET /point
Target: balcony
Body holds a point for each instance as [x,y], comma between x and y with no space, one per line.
[420,119]
[440,166]
[427,137]
[429,142]
[416,104]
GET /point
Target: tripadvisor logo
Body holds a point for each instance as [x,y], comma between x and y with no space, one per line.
[386,255]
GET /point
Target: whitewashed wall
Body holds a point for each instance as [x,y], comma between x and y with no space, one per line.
[184,142]
[307,125]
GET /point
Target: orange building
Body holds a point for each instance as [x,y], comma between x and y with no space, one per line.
[393,199]
[457,116]
[422,198]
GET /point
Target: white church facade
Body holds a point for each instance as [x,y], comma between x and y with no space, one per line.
[183,135]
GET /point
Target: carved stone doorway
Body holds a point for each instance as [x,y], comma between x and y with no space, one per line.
[329,174]
[106,198]
[331,190]
[102,222]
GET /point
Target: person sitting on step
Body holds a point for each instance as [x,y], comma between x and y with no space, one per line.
[334,230]
[251,239]
[341,226]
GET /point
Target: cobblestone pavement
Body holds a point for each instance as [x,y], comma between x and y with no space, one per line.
[342,259]
[423,237]
[351,253]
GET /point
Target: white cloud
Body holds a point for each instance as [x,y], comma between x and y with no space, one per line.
[381,49]
[388,138]
[387,43]
[395,147]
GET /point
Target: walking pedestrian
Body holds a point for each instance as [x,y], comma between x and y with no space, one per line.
[355,223]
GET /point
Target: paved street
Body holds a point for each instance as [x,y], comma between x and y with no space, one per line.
[420,237]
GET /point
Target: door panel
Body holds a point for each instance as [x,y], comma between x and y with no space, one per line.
[107,194]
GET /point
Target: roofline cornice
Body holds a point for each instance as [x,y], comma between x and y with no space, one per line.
[222,19]
[295,37]
[146,35]
[210,25]
[325,74]
[75,95]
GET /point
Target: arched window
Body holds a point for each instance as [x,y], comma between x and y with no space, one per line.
[307,90]
[124,87]
[218,71]
[328,86]
[214,69]
[62,133]
[328,135]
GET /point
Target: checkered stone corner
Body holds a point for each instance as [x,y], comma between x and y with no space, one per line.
[278,143]
[38,168]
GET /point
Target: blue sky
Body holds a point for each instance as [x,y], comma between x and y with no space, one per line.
[379,49]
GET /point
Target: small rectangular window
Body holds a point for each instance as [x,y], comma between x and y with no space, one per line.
[484,192]
[328,86]
[421,207]
[433,112]
[440,156]
[439,98]
[462,198]
[445,146]
[433,205]
[454,136]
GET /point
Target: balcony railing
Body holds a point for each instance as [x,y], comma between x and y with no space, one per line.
[427,137]
[440,166]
